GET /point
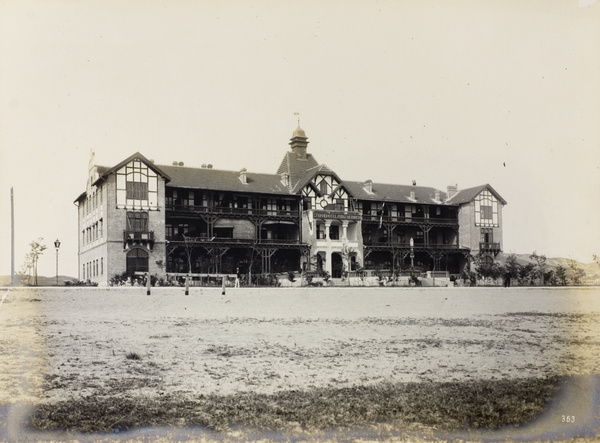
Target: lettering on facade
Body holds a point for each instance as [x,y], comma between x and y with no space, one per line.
[337,215]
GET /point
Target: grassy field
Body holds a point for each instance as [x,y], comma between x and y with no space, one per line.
[301,363]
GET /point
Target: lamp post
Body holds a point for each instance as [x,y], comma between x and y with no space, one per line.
[57,245]
[412,253]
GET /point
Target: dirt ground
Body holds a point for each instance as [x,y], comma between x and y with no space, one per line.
[60,343]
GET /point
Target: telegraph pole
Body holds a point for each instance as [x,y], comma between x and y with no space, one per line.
[12,237]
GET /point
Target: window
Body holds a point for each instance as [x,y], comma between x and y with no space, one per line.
[137,221]
[487,235]
[486,209]
[323,187]
[102,266]
[187,198]
[420,237]
[137,261]
[137,186]
[137,190]
[486,212]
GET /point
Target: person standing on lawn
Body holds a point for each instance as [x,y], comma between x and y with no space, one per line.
[238,276]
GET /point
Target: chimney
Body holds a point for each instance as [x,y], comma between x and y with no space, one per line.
[243,176]
[414,183]
[452,190]
[369,186]
[180,163]
[203,165]
[285,179]
[175,163]
[209,166]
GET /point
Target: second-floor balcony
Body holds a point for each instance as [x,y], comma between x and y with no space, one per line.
[208,241]
[389,218]
[386,244]
[134,237]
[235,212]
[489,247]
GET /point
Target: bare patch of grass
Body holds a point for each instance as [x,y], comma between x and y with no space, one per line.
[448,406]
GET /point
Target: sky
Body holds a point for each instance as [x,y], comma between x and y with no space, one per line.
[444,93]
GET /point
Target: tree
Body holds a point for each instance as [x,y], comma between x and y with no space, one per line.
[597,259]
[525,274]
[576,271]
[488,269]
[31,260]
[550,278]
[541,264]
[561,275]
[512,266]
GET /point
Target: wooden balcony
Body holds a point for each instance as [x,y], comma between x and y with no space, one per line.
[144,238]
[433,221]
[489,247]
[232,212]
[388,246]
[232,242]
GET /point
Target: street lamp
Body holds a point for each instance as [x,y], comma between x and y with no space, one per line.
[57,245]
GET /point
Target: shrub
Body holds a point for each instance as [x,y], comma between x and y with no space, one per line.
[80,283]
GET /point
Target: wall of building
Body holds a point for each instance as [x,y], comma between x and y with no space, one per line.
[116,250]
[468,234]
[92,232]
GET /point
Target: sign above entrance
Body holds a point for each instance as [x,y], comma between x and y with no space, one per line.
[337,215]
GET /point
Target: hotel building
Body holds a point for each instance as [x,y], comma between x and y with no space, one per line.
[137,216]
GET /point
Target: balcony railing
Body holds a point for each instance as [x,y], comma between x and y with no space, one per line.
[489,246]
[146,237]
[233,211]
[400,219]
[228,240]
[406,246]
[138,236]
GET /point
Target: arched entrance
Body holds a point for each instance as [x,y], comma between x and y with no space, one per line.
[137,261]
[336,265]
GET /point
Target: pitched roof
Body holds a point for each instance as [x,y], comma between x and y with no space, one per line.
[103,171]
[467,195]
[396,193]
[308,175]
[222,180]
[295,166]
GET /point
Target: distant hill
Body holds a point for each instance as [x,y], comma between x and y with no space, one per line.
[592,270]
[42,280]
